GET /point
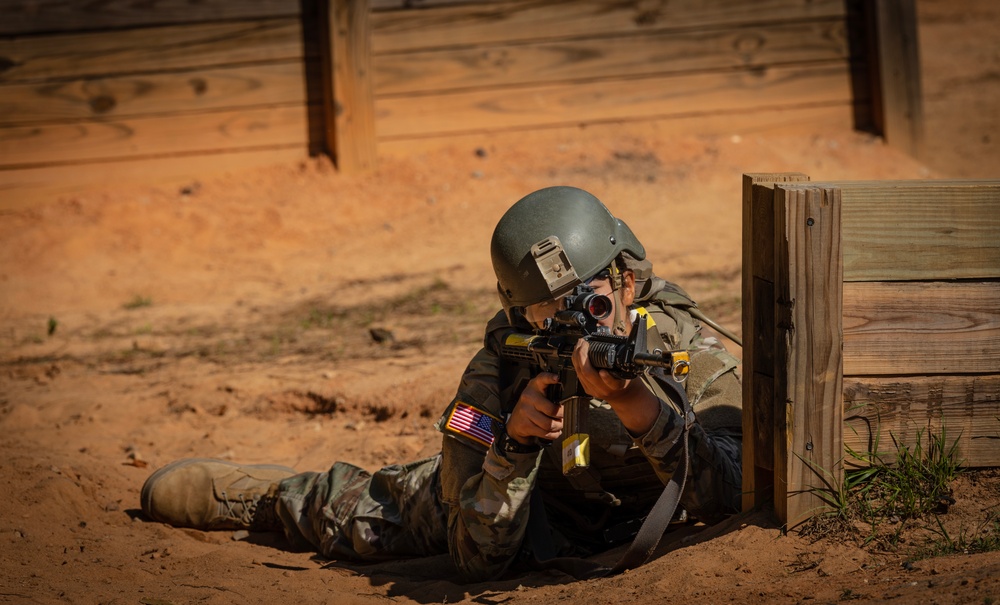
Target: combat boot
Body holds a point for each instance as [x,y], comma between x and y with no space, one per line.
[214,494]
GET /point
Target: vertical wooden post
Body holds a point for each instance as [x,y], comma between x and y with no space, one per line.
[348,99]
[809,353]
[759,409]
[898,109]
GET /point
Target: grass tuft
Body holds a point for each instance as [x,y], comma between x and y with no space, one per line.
[138,302]
[885,494]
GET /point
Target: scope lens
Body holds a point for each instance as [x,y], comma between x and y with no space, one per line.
[599,306]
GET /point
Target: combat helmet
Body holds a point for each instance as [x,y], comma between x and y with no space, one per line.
[552,240]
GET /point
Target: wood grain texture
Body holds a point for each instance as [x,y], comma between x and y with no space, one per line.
[758,329]
[808,437]
[149,94]
[158,49]
[419,4]
[897,60]
[19,17]
[915,328]
[527,20]
[350,121]
[645,98]
[635,54]
[27,187]
[25,146]
[913,230]
[881,413]
[775,120]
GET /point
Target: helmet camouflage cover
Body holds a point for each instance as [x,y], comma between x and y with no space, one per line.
[552,240]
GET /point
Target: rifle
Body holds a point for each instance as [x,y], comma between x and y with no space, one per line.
[550,349]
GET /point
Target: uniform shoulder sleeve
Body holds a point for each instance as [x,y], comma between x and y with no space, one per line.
[474,411]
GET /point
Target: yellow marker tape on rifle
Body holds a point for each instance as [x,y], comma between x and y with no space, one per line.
[576,453]
[519,340]
[650,322]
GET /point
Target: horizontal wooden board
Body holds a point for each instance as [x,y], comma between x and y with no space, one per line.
[136,51]
[25,188]
[19,17]
[173,92]
[419,4]
[921,328]
[639,98]
[24,146]
[527,20]
[913,230]
[964,410]
[634,54]
[744,122]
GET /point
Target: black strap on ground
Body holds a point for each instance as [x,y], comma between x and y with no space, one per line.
[651,531]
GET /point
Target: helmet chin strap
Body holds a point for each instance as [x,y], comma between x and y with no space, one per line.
[617,282]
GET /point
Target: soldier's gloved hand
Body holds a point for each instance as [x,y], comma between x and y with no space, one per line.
[634,403]
[534,416]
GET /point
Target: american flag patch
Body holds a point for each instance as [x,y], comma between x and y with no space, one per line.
[467,420]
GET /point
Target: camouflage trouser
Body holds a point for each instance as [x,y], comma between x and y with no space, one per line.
[350,513]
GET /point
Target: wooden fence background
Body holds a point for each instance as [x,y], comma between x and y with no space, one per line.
[98,93]
[871,319]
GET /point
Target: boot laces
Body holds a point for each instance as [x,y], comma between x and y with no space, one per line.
[255,513]
[240,510]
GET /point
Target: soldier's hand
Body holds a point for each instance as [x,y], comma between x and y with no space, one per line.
[599,384]
[534,416]
[635,405]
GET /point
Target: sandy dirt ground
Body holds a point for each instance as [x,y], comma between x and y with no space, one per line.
[232,317]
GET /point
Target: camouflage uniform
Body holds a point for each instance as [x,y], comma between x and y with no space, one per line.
[474,502]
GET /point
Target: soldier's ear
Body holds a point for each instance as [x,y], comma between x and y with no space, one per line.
[628,287]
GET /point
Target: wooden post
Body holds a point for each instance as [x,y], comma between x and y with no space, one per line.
[759,408]
[809,365]
[348,99]
[870,315]
[895,59]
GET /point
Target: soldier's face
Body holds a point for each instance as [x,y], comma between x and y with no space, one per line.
[536,314]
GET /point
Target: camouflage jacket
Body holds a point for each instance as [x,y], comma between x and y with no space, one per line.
[488,494]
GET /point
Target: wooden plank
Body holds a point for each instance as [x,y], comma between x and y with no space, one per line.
[158,49]
[897,65]
[350,118]
[25,146]
[775,120]
[921,328]
[527,20]
[758,330]
[645,98]
[744,123]
[808,440]
[418,4]
[638,54]
[29,187]
[18,17]
[174,93]
[965,410]
[919,230]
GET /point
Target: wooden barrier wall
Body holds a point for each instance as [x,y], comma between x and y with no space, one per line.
[95,93]
[516,64]
[871,318]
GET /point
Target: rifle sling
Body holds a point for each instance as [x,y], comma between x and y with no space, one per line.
[650,533]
